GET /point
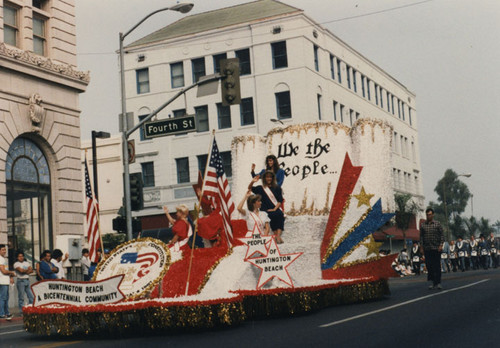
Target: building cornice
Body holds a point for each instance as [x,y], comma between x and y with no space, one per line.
[42,63]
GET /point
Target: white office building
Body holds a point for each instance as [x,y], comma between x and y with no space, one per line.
[292,70]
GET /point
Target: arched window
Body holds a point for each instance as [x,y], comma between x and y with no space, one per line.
[28,200]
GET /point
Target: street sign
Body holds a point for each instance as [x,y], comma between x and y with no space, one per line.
[131,151]
[390,236]
[170,126]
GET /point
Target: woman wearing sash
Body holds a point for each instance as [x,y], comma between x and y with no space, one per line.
[272,200]
[273,166]
[181,228]
[257,221]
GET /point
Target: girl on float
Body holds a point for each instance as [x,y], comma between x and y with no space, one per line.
[181,228]
[272,200]
[272,165]
[257,221]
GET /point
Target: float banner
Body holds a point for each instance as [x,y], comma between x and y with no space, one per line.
[67,292]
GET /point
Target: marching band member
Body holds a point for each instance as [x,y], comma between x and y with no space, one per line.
[474,252]
[493,245]
[416,258]
[461,250]
[453,255]
[483,251]
[445,262]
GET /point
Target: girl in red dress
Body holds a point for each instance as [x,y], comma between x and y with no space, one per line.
[180,227]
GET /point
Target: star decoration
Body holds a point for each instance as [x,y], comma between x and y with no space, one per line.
[372,246]
[274,264]
[363,198]
[257,244]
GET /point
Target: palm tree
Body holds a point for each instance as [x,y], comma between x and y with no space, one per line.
[472,226]
[405,209]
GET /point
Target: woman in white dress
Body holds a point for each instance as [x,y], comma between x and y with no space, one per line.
[257,221]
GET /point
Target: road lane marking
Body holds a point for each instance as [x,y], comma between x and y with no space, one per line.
[58,344]
[11,332]
[442,292]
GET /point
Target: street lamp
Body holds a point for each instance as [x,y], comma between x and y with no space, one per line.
[467,175]
[182,8]
[95,135]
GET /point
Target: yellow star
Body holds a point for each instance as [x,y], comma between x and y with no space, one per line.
[363,198]
[372,246]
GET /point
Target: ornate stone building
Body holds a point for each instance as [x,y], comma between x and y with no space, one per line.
[40,171]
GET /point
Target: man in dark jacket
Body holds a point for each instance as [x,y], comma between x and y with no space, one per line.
[432,239]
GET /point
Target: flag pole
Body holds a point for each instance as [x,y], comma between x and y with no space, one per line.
[198,212]
[96,207]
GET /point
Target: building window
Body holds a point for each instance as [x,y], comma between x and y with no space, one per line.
[226,163]
[332,67]
[148,174]
[177,74]
[399,108]
[201,113]
[202,163]
[198,66]
[142,76]
[39,4]
[342,107]
[246,112]
[409,116]
[179,112]
[244,57]
[316,58]
[283,105]
[339,75]
[141,130]
[335,104]
[368,89]
[403,110]
[217,58]
[318,97]
[10,25]
[351,116]
[223,116]
[348,73]
[376,94]
[363,90]
[381,98]
[182,170]
[354,84]
[392,102]
[388,102]
[279,55]
[39,38]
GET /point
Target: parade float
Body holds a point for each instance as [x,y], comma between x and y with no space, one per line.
[337,190]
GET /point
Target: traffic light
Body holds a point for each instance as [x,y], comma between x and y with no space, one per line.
[136,197]
[230,81]
[120,225]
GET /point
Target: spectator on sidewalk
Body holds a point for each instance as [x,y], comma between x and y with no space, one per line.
[23,269]
[6,278]
[58,260]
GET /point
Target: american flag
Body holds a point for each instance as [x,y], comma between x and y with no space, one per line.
[217,187]
[92,219]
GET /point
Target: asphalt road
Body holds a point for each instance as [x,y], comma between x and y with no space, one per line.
[466,313]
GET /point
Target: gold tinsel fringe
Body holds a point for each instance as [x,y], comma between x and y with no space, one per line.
[157,318]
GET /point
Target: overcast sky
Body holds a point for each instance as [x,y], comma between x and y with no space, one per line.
[445,51]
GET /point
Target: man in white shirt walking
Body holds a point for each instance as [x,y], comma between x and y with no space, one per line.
[6,278]
[23,269]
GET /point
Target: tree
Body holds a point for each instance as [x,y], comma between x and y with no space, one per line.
[457,227]
[405,209]
[471,225]
[453,196]
[485,228]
